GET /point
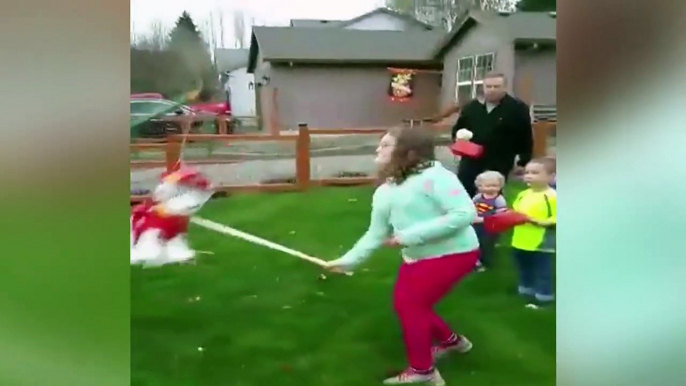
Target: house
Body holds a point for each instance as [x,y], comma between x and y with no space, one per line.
[333,74]
[521,45]
[232,64]
[309,23]
[336,74]
[380,19]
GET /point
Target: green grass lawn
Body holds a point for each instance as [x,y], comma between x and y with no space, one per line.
[249,316]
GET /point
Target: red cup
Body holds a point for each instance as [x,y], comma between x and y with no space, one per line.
[500,222]
[466,149]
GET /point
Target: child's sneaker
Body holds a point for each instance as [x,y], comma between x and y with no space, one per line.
[411,376]
[461,345]
[537,304]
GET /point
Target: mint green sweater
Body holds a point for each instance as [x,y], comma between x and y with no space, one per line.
[430,214]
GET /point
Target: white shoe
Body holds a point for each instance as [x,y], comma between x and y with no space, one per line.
[462,346]
[410,376]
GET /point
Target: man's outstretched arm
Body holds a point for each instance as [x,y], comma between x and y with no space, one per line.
[446,112]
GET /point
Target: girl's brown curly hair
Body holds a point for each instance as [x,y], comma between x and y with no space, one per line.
[413,152]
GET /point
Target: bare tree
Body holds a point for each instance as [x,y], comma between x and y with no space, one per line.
[443,13]
[209,34]
[154,40]
[446,13]
[239,29]
[159,35]
[498,5]
[133,35]
[213,30]
[220,15]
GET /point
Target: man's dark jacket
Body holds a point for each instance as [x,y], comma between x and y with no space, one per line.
[504,132]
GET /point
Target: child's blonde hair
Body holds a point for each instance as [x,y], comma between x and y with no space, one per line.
[548,163]
[490,175]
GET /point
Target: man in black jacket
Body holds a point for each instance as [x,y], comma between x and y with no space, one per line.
[501,124]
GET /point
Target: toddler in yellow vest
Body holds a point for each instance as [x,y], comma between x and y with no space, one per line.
[534,242]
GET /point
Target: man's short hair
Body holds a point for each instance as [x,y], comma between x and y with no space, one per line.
[493,74]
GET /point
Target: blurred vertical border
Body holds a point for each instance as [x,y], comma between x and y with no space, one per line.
[622,176]
[64,292]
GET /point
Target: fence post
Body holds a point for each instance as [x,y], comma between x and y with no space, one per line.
[186,125]
[274,118]
[173,153]
[302,157]
[221,124]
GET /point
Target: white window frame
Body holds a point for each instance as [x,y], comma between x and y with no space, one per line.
[472,82]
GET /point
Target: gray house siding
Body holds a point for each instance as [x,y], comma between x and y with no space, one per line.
[347,97]
[541,67]
[477,41]
[263,101]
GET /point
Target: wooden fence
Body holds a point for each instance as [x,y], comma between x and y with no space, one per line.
[223,122]
[302,140]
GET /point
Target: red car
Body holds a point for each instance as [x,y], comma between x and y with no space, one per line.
[219,108]
[147,108]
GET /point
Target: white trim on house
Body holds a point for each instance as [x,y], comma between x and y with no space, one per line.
[242,93]
[474,72]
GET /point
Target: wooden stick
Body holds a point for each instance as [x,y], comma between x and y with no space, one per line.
[211,225]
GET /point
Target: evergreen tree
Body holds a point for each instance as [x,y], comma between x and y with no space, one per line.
[159,71]
[186,41]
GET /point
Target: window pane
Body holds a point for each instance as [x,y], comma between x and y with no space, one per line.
[168,108]
[466,63]
[484,64]
[149,108]
[158,108]
[464,93]
[484,61]
[479,90]
[465,75]
[480,74]
[465,69]
[136,108]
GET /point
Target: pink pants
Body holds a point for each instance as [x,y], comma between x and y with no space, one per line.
[420,285]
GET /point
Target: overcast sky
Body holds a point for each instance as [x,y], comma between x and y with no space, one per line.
[266,12]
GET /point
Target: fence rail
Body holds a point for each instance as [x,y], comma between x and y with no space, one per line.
[302,139]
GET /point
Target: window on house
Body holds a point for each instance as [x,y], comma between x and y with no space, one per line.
[484,65]
[471,71]
[464,92]
[465,70]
